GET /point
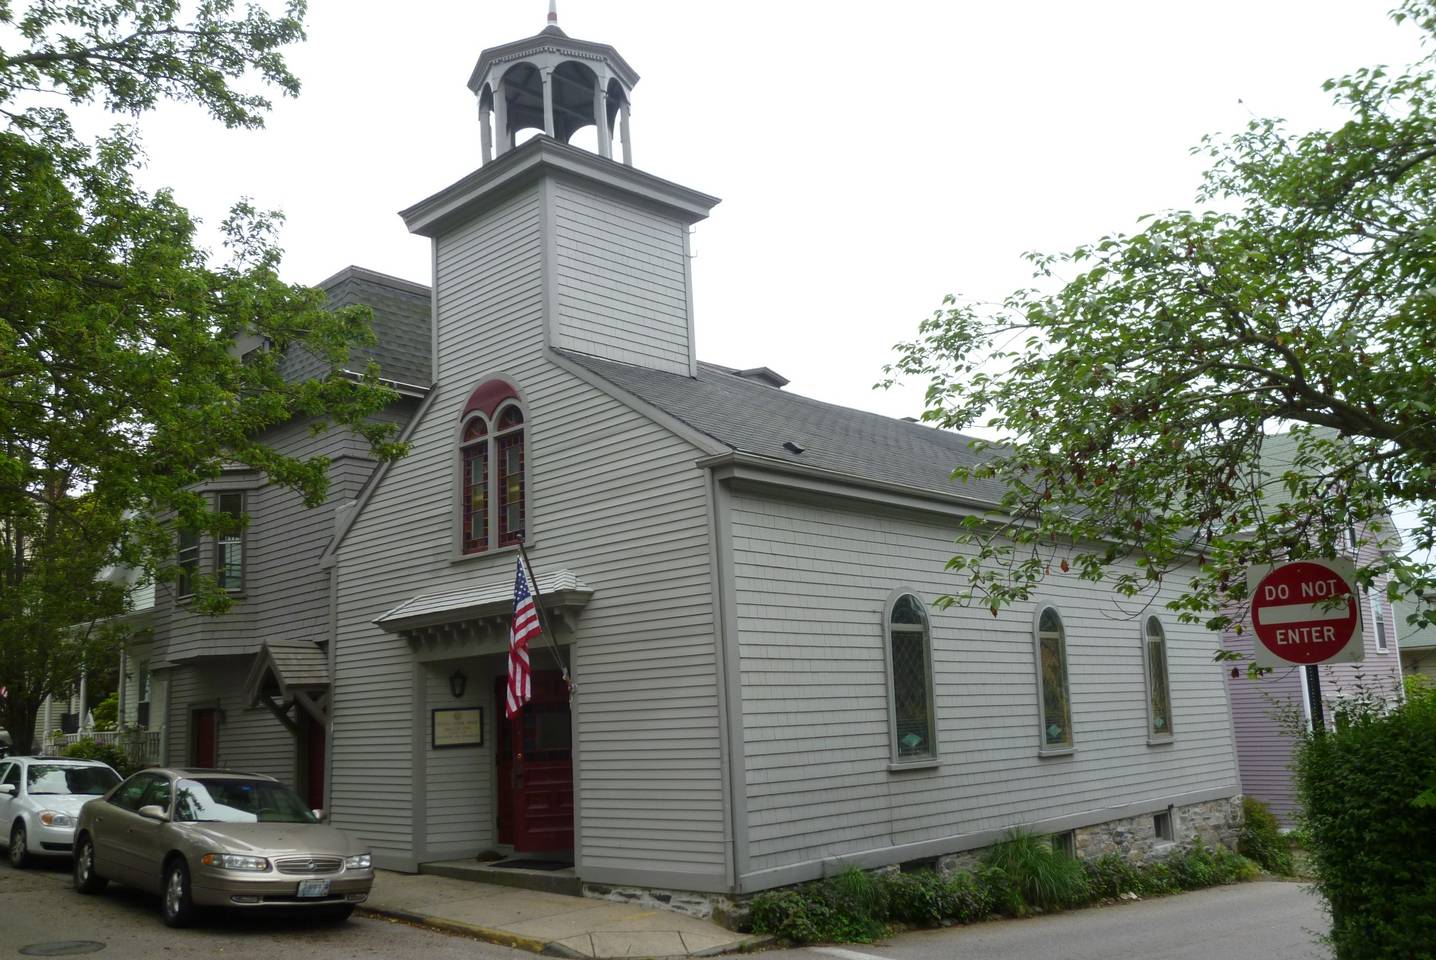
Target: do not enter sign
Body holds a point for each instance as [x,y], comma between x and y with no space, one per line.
[1305,613]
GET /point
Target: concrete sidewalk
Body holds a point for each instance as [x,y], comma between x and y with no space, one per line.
[549,923]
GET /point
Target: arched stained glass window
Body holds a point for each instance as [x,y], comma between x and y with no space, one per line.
[492,469]
[509,439]
[1159,694]
[474,494]
[910,667]
[1054,694]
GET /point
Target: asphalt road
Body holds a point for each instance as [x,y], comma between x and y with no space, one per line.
[1247,921]
[38,906]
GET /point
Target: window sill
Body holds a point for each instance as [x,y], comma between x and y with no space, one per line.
[1383,652]
[1056,751]
[1160,741]
[903,767]
[459,556]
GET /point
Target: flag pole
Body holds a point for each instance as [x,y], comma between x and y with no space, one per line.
[544,624]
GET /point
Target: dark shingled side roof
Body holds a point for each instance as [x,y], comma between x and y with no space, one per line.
[402,319]
[751,417]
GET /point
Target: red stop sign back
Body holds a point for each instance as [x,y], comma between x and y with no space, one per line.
[1306,612]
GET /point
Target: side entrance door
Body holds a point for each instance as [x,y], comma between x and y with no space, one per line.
[204,737]
[535,769]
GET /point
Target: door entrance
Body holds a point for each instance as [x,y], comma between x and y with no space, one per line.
[312,760]
[534,754]
[203,740]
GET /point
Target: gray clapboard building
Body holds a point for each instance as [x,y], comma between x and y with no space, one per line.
[739,579]
[250,690]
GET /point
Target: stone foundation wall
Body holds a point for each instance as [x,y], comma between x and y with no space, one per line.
[717,907]
[1133,838]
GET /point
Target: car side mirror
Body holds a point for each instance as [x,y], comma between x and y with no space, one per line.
[153,811]
[7,789]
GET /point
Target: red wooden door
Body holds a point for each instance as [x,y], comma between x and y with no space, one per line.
[206,733]
[536,783]
[313,763]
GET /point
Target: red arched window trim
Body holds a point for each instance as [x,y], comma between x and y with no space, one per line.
[487,397]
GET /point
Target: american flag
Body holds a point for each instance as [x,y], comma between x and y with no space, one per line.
[525,625]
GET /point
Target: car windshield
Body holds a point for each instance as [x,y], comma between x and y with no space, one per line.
[65,779]
[231,800]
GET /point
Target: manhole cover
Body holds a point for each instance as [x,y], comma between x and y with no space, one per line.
[62,948]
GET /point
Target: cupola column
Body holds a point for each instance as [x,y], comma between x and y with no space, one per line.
[501,119]
[600,116]
[623,131]
[547,74]
[486,133]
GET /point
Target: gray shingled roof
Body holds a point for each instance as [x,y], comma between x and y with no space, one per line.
[751,417]
[401,324]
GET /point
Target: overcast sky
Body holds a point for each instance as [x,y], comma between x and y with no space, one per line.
[871,157]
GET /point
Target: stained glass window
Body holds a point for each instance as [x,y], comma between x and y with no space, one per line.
[1159,694]
[1052,681]
[914,726]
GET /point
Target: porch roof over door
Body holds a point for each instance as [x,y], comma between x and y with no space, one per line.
[560,589]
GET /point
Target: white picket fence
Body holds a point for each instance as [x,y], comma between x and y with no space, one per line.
[141,745]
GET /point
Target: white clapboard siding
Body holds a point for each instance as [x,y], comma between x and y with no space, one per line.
[248,738]
[621,280]
[815,695]
[613,498]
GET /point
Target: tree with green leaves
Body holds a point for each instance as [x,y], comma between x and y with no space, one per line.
[121,388]
[1132,390]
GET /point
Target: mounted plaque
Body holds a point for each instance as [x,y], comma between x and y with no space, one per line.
[456,727]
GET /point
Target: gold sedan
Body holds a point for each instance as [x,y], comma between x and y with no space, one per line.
[204,838]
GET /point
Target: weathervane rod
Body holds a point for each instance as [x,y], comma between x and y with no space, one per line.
[553,12]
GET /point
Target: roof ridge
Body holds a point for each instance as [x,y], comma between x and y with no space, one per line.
[353,271]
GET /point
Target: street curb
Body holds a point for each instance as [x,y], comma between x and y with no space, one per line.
[547,948]
[488,934]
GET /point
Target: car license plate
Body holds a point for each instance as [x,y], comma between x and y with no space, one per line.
[314,888]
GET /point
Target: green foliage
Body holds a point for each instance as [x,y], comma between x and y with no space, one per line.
[1131,392]
[1029,874]
[119,393]
[1372,845]
[1110,876]
[1201,866]
[106,713]
[1262,840]
[925,898]
[1023,874]
[850,908]
[87,749]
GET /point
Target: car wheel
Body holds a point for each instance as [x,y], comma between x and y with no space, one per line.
[175,897]
[87,880]
[19,847]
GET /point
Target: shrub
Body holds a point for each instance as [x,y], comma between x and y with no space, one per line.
[1373,850]
[87,749]
[1030,875]
[106,713]
[928,899]
[1111,876]
[1262,840]
[971,898]
[1203,866]
[851,907]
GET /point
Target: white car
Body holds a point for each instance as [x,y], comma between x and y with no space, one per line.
[40,800]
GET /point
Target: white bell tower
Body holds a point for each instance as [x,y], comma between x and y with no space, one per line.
[555,84]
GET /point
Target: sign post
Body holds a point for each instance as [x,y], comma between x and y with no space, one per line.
[1305,613]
